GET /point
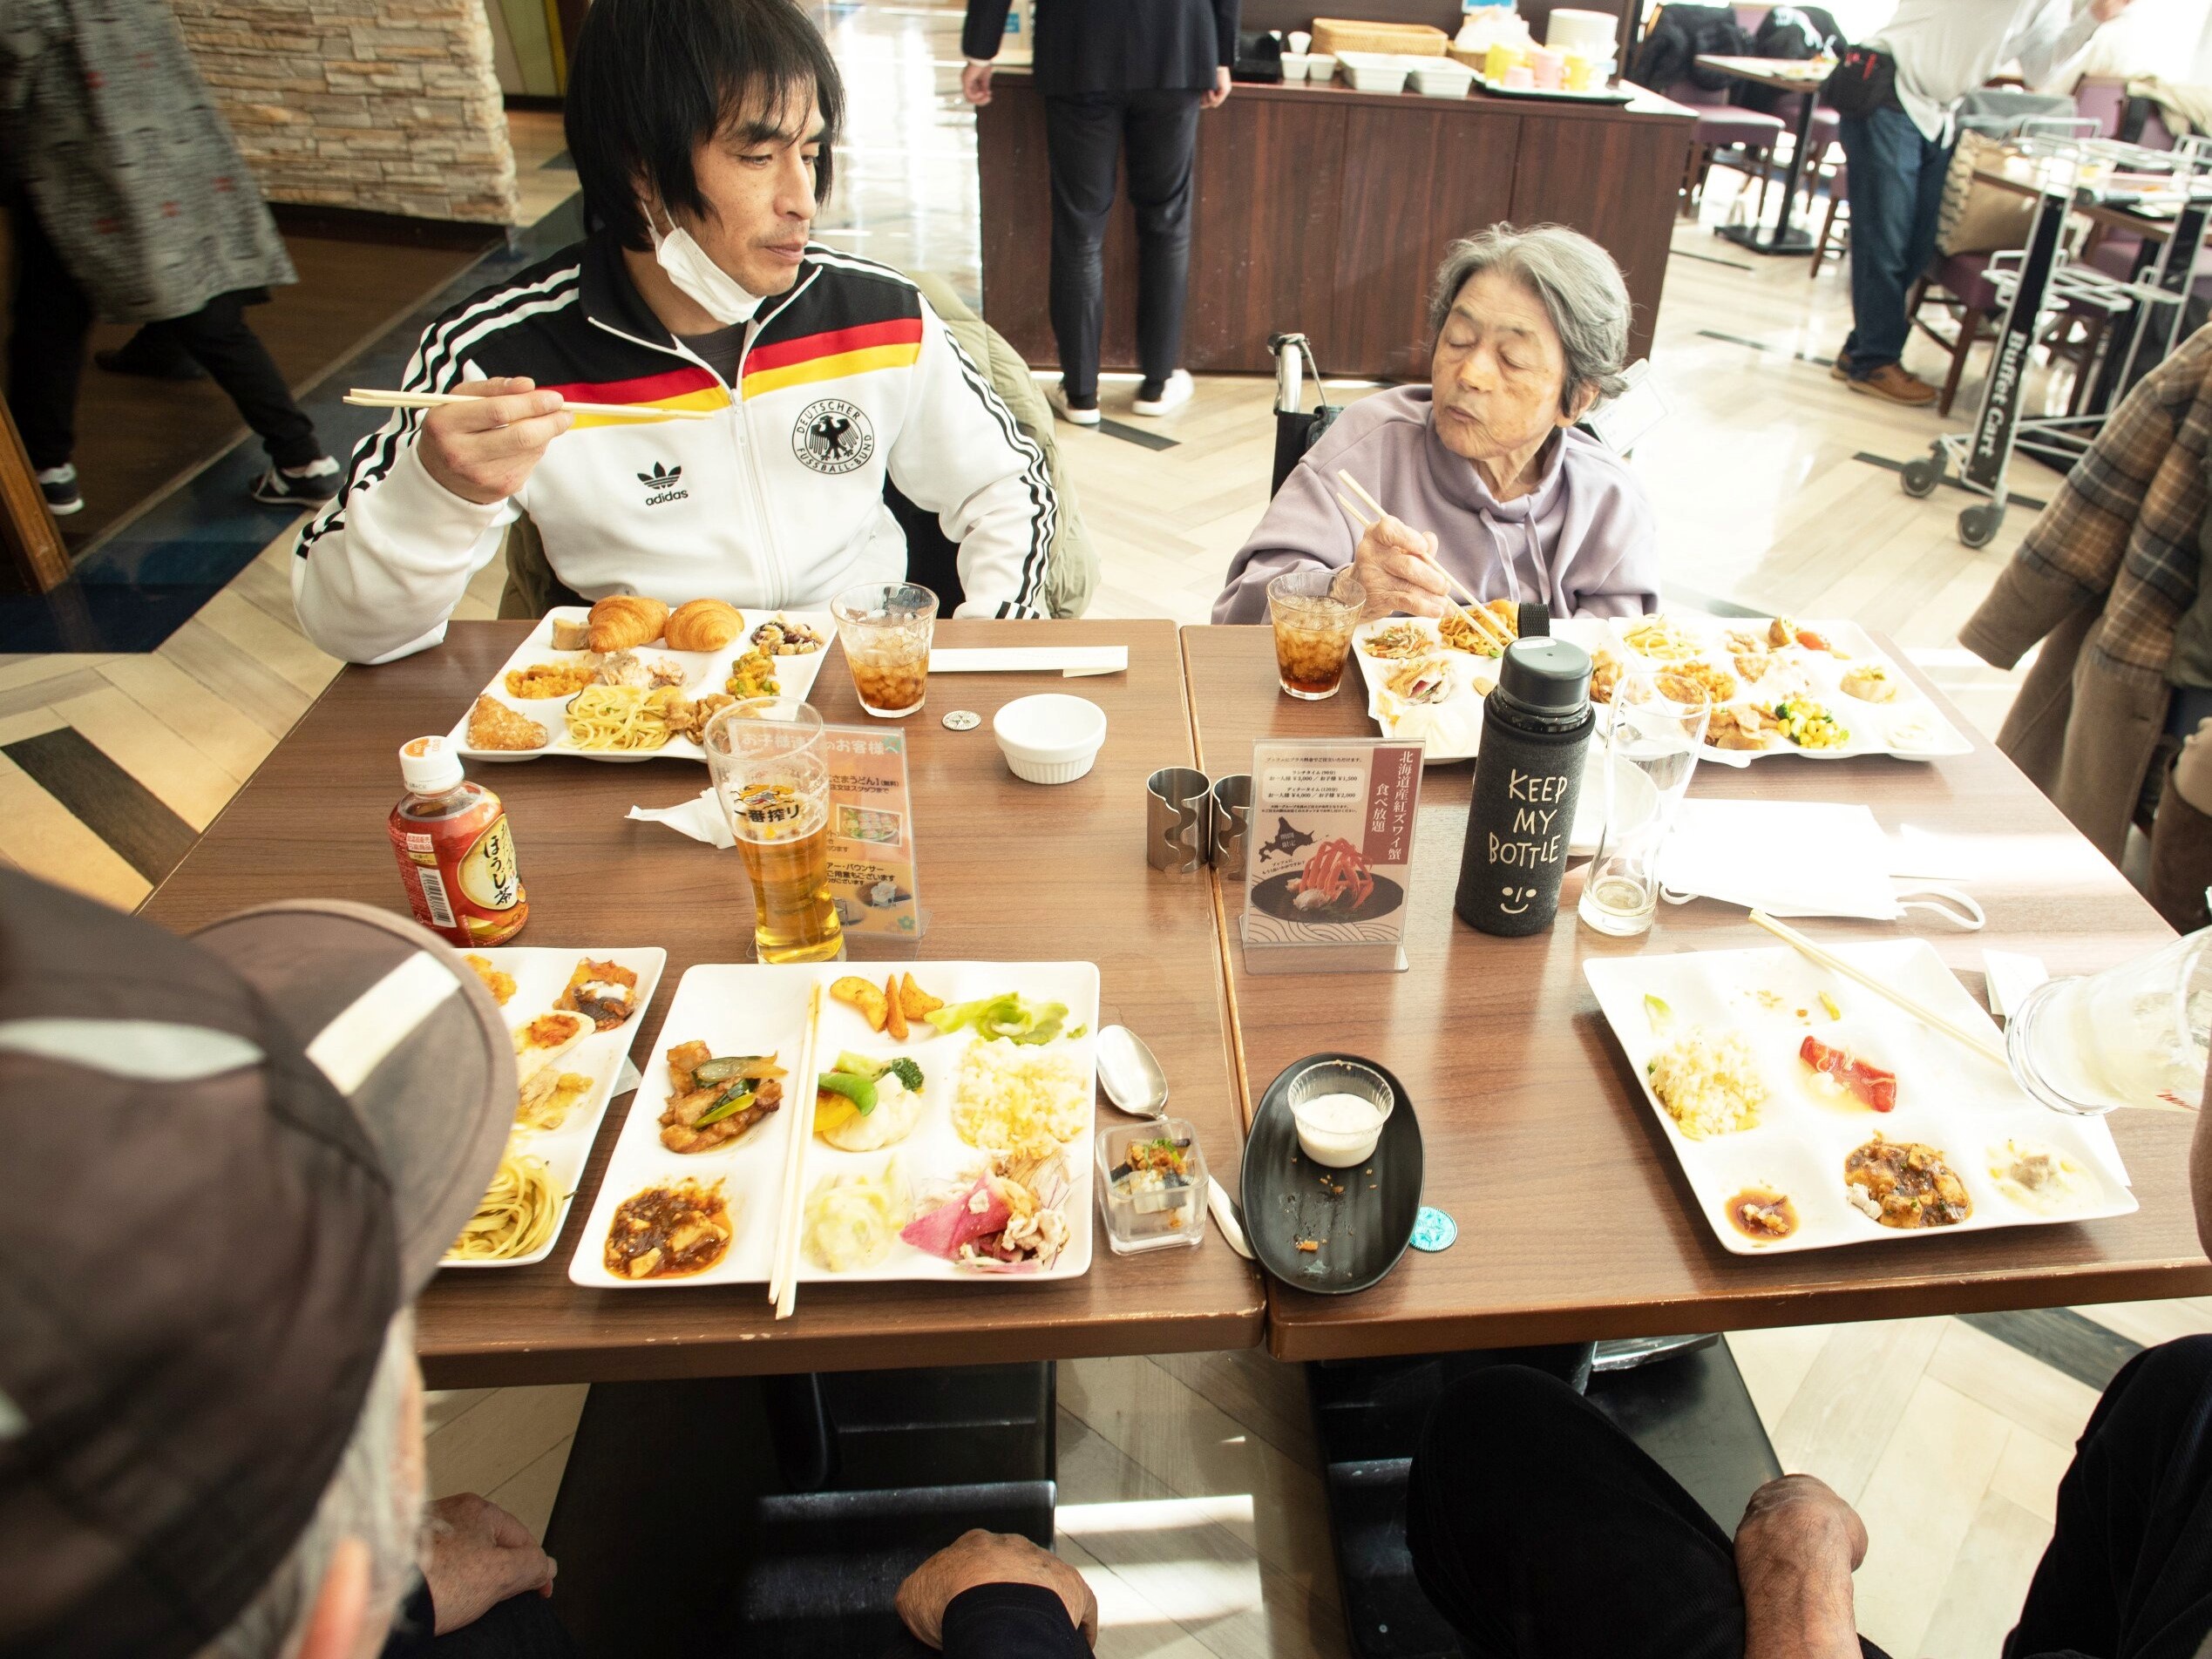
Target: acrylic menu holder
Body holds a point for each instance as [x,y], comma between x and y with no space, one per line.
[1329,854]
[873,881]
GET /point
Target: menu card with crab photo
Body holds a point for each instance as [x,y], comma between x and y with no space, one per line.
[1329,854]
[872,833]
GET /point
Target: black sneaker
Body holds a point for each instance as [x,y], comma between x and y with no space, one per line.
[308,486]
[58,486]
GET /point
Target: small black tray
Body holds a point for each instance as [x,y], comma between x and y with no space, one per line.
[1365,1226]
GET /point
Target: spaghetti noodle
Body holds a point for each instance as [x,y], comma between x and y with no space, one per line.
[623,719]
[516,1215]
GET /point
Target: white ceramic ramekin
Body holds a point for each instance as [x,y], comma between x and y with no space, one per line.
[1049,738]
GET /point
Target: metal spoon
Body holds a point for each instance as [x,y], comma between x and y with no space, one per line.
[1134,1080]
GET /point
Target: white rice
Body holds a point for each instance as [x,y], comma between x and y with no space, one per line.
[1010,1095]
[1709,1086]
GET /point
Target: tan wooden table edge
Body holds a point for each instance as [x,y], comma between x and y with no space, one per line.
[775,1352]
[1349,1338]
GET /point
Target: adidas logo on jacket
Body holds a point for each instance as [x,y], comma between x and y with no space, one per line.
[847,378]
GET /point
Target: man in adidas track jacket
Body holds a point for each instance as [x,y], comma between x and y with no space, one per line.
[701,130]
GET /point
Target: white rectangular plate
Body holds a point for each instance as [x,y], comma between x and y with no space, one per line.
[750,1009]
[541,974]
[704,672]
[1947,1097]
[1909,729]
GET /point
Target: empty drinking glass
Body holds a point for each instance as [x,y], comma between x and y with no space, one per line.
[2138,1035]
[1650,754]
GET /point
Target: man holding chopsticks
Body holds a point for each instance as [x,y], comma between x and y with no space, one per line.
[1478,483]
[722,402]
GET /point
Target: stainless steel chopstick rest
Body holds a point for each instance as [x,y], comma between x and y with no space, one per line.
[1178,820]
[1232,823]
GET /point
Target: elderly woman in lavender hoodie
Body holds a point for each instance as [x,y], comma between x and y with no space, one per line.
[1481,469]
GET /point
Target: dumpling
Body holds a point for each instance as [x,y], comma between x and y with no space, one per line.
[898,1109]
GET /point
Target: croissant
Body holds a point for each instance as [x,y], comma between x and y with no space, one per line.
[621,620]
[705,625]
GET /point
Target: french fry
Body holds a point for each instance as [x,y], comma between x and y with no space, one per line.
[894,1016]
[913,1001]
[874,1006]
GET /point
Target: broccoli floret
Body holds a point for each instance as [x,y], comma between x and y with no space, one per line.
[907,1073]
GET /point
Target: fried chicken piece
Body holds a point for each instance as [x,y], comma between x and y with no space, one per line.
[680,1129]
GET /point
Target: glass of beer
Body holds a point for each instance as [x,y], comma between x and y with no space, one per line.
[885,628]
[1314,611]
[772,776]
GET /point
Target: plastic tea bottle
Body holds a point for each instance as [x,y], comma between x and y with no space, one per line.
[1528,777]
[456,852]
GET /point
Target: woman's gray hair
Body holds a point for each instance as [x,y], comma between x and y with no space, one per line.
[1579,286]
[372,1496]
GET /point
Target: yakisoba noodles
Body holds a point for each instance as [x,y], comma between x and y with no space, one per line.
[517,1215]
[618,718]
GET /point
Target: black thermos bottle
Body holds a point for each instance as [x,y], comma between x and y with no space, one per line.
[1528,777]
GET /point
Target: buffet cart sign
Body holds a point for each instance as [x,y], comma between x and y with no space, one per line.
[872,832]
[1330,854]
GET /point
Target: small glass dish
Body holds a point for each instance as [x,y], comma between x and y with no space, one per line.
[1151,1185]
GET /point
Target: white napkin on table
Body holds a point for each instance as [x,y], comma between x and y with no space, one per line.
[700,817]
[1791,858]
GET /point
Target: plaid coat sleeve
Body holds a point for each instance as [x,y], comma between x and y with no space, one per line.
[2073,554]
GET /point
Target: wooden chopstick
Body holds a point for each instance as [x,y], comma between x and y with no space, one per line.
[1479,613]
[1981,1044]
[791,1215]
[364,397]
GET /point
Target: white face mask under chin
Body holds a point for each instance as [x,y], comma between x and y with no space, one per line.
[698,278]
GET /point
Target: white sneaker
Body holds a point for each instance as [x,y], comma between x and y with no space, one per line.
[1057,396]
[1178,391]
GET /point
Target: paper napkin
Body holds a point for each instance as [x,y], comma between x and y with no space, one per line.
[700,817]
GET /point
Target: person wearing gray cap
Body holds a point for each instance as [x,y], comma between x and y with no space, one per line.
[228,1164]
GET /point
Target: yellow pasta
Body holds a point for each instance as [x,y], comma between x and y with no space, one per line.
[516,1215]
[618,718]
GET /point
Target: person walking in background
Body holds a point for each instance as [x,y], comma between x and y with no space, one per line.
[1895,93]
[127,198]
[1118,77]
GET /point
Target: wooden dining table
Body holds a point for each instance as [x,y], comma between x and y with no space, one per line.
[1008,872]
[1574,1219]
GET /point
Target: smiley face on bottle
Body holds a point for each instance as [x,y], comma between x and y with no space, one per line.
[1515,900]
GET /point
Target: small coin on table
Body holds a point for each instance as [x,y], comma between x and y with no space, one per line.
[963,720]
[1433,1231]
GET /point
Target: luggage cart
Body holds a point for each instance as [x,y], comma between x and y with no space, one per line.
[2033,281]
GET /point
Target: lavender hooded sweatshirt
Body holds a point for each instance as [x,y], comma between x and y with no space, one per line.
[1584,541]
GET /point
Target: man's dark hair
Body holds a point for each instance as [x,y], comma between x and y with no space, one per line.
[653,79]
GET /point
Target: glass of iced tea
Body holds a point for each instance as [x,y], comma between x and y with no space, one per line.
[1314,611]
[885,628]
[772,776]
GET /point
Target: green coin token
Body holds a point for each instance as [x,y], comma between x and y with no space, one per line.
[1433,1231]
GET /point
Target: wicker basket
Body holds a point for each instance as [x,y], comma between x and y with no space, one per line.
[1339,35]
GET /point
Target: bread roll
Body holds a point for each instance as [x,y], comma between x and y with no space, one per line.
[621,620]
[705,625]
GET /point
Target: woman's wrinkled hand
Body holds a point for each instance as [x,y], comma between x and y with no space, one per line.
[1397,565]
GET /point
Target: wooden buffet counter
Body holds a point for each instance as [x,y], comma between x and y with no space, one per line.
[1326,210]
